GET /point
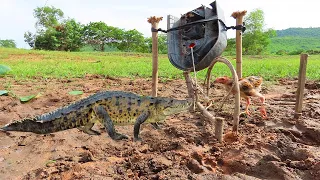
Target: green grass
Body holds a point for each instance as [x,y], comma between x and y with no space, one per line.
[48,64]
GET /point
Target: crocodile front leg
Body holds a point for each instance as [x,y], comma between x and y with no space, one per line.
[136,129]
[87,129]
[108,124]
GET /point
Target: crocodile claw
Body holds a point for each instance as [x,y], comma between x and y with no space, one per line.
[156,126]
[119,136]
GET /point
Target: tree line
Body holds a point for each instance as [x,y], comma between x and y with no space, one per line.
[312,32]
[55,32]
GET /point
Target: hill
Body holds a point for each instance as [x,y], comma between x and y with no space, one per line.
[295,40]
[300,32]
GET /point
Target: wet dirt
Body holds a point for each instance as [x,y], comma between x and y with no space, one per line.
[184,148]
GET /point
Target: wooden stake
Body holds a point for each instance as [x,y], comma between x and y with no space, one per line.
[219,128]
[218,121]
[154,21]
[186,75]
[301,84]
[239,21]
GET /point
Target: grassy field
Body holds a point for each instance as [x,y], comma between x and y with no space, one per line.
[47,64]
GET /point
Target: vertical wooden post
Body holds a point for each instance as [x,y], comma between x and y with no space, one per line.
[154,21]
[218,121]
[219,128]
[190,88]
[301,84]
[239,21]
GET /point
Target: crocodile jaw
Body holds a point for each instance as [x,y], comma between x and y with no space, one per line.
[177,106]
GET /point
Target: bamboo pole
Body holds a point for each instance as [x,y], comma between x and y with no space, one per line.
[238,15]
[154,21]
[301,84]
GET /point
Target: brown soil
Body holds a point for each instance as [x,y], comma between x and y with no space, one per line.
[184,148]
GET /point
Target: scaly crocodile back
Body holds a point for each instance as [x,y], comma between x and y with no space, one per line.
[67,117]
[122,107]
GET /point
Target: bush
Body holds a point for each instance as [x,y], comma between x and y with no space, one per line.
[281,52]
[296,52]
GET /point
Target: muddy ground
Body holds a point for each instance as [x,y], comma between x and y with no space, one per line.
[184,148]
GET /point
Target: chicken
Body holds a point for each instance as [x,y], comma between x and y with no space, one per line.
[249,86]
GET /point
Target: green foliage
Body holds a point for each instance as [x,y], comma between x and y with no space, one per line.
[29,38]
[7,43]
[313,51]
[295,41]
[75,93]
[25,99]
[47,40]
[69,34]
[47,16]
[99,35]
[231,47]
[162,43]
[300,32]
[255,38]
[56,33]
[132,40]
[4,92]
[4,69]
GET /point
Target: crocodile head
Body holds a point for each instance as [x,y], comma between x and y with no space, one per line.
[168,106]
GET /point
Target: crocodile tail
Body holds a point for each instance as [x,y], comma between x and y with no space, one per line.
[29,125]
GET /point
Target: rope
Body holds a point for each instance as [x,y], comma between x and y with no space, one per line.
[241,27]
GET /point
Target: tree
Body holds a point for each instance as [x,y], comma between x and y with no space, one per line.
[256,38]
[162,44]
[133,40]
[231,48]
[47,40]
[54,32]
[8,43]
[69,34]
[64,37]
[47,16]
[29,38]
[99,34]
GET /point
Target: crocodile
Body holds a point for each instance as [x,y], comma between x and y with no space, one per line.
[107,107]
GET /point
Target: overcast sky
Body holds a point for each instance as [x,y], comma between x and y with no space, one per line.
[17,15]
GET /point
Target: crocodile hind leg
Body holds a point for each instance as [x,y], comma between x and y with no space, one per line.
[136,129]
[108,124]
[87,129]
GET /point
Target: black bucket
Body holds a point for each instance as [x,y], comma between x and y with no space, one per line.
[205,28]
